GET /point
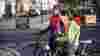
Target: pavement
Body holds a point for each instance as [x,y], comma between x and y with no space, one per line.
[36,22]
[8,24]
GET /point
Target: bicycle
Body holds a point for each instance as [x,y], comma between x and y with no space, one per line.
[83,50]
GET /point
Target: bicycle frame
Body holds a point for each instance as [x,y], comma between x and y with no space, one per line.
[84,48]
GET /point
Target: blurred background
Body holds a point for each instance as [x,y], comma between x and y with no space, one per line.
[21,28]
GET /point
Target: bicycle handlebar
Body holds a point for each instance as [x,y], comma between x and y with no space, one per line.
[86,41]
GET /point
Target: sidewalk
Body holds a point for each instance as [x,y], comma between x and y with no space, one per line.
[8,24]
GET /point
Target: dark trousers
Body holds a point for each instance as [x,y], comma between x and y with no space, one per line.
[52,38]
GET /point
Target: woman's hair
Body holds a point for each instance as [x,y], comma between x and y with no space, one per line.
[82,19]
[62,12]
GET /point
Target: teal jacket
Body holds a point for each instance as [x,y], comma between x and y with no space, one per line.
[74,33]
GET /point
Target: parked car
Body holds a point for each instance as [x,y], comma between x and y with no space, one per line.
[35,12]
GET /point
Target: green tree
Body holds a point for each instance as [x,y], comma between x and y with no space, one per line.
[73,5]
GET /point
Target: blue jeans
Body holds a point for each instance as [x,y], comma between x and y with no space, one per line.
[52,38]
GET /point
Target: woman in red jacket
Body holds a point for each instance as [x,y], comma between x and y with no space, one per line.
[54,27]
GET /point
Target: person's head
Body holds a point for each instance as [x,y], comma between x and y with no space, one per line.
[56,11]
[77,19]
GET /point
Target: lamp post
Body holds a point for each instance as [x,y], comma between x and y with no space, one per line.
[41,10]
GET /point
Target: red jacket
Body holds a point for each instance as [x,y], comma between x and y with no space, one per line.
[55,22]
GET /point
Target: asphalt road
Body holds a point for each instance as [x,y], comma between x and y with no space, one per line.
[23,41]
